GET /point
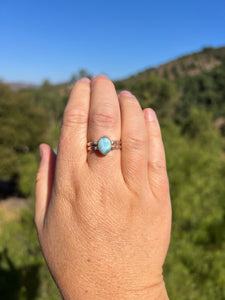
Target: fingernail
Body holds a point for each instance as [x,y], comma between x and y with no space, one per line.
[85,79]
[126,93]
[149,114]
[100,76]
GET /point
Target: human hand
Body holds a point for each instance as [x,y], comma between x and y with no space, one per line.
[104,222]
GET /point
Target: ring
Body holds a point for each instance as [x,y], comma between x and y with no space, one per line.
[104,145]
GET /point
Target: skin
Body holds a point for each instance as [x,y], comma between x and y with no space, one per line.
[104,222]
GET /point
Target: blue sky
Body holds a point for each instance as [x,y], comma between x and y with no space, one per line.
[48,39]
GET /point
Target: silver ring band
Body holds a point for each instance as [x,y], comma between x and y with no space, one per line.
[112,147]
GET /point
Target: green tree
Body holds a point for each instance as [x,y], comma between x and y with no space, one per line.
[24,125]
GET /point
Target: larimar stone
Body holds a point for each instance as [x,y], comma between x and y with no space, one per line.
[104,145]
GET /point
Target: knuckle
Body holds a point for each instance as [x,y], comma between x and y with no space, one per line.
[160,181]
[74,116]
[104,119]
[158,164]
[134,143]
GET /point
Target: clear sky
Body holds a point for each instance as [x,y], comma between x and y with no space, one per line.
[48,39]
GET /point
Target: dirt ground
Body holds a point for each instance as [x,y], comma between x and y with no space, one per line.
[10,209]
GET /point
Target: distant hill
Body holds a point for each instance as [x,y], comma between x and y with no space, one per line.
[16,86]
[191,64]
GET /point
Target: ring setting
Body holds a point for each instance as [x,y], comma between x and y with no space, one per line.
[104,145]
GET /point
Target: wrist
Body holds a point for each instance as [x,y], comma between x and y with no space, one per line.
[139,286]
[156,292]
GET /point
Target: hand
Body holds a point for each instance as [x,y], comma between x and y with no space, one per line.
[104,222]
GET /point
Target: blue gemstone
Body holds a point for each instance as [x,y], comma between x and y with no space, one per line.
[104,145]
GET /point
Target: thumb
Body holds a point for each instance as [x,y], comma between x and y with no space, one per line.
[44,183]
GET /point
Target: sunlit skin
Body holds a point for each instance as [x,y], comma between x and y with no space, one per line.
[104,221]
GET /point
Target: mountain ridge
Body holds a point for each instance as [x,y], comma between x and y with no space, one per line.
[190,64]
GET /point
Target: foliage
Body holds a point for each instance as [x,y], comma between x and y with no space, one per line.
[23,126]
[80,74]
[27,173]
[196,261]
[156,92]
[23,272]
[205,91]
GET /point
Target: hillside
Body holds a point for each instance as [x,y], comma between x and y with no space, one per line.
[174,89]
[191,64]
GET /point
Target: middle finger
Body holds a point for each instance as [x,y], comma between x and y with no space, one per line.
[104,120]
